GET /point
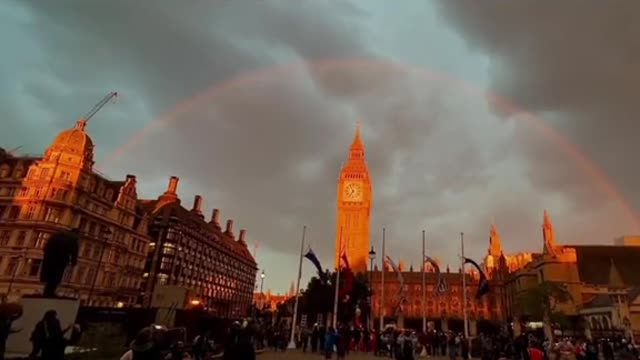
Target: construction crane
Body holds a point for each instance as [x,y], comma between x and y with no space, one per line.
[14,151]
[98,106]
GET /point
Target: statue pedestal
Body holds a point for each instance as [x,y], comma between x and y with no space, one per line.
[34,309]
[473,328]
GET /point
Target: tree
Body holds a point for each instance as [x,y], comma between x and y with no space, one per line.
[539,302]
[318,298]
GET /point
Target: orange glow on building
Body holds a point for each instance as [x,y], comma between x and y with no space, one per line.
[354,201]
[41,195]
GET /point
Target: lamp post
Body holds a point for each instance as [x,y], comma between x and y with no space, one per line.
[372,257]
[106,235]
[261,281]
[261,293]
[17,258]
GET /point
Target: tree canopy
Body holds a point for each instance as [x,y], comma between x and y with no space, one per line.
[539,301]
[318,297]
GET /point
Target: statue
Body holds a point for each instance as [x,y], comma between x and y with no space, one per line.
[60,250]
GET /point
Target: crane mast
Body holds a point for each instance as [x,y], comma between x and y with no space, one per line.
[99,106]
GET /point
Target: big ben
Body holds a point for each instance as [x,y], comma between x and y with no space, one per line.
[354,200]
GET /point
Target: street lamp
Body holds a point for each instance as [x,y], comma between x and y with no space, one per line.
[106,235]
[372,257]
[261,281]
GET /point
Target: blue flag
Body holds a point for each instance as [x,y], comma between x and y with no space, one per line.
[314,260]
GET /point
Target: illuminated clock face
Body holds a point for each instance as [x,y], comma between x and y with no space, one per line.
[352,191]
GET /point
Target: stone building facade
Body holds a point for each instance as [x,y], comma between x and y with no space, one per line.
[602,282]
[187,251]
[40,195]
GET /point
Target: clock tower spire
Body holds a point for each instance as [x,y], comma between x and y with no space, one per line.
[354,200]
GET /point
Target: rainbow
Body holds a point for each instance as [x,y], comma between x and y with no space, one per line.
[379,65]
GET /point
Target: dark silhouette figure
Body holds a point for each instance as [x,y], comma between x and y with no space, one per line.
[9,312]
[60,250]
[48,337]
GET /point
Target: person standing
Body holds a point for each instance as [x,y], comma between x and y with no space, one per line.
[48,337]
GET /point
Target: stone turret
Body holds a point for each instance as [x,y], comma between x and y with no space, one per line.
[548,235]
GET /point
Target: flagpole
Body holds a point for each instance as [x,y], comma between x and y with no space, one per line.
[382,304]
[335,296]
[464,289]
[292,342]
[424,285]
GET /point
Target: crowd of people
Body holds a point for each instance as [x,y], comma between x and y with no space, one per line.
[408,345]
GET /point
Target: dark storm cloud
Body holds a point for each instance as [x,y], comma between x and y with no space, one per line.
[577,62]
[168,51]
[267,150]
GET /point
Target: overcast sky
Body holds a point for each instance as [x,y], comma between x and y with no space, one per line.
[472,112]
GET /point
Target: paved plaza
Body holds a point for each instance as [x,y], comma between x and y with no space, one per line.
[299,355]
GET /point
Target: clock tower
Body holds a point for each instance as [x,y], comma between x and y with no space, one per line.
[354,208]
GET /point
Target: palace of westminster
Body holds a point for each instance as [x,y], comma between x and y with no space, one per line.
[129,246]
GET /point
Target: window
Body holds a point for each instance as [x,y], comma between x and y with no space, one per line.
[53,214]
[34,267]
[20,240]
[61,194]
[44,173]
[91,274]
[5,235]
[31,212]
[3,209]
[14,213]
[24,191]
[39,239]
[65,175]
[86,250]
[38,191]
[79,275]
[12,266]
[4,171]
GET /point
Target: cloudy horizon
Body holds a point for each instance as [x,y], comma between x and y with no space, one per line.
[471,113]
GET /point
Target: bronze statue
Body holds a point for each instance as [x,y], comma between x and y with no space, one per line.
[60,250]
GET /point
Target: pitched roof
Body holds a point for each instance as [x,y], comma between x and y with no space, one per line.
[602,300]
[594,263]
[633,293]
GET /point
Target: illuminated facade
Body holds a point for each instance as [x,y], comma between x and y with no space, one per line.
[494,253]
[187,251]
[354,201]
[445,309]
[602,280]
[40,195]
[270,301]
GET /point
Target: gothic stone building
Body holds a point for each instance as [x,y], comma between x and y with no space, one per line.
[186,251]
[40,195]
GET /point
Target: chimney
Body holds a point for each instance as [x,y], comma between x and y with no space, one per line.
[215,218]
[131,177]
[243,233]
[197,204]
[173,185]
[229,229]
[170,195]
